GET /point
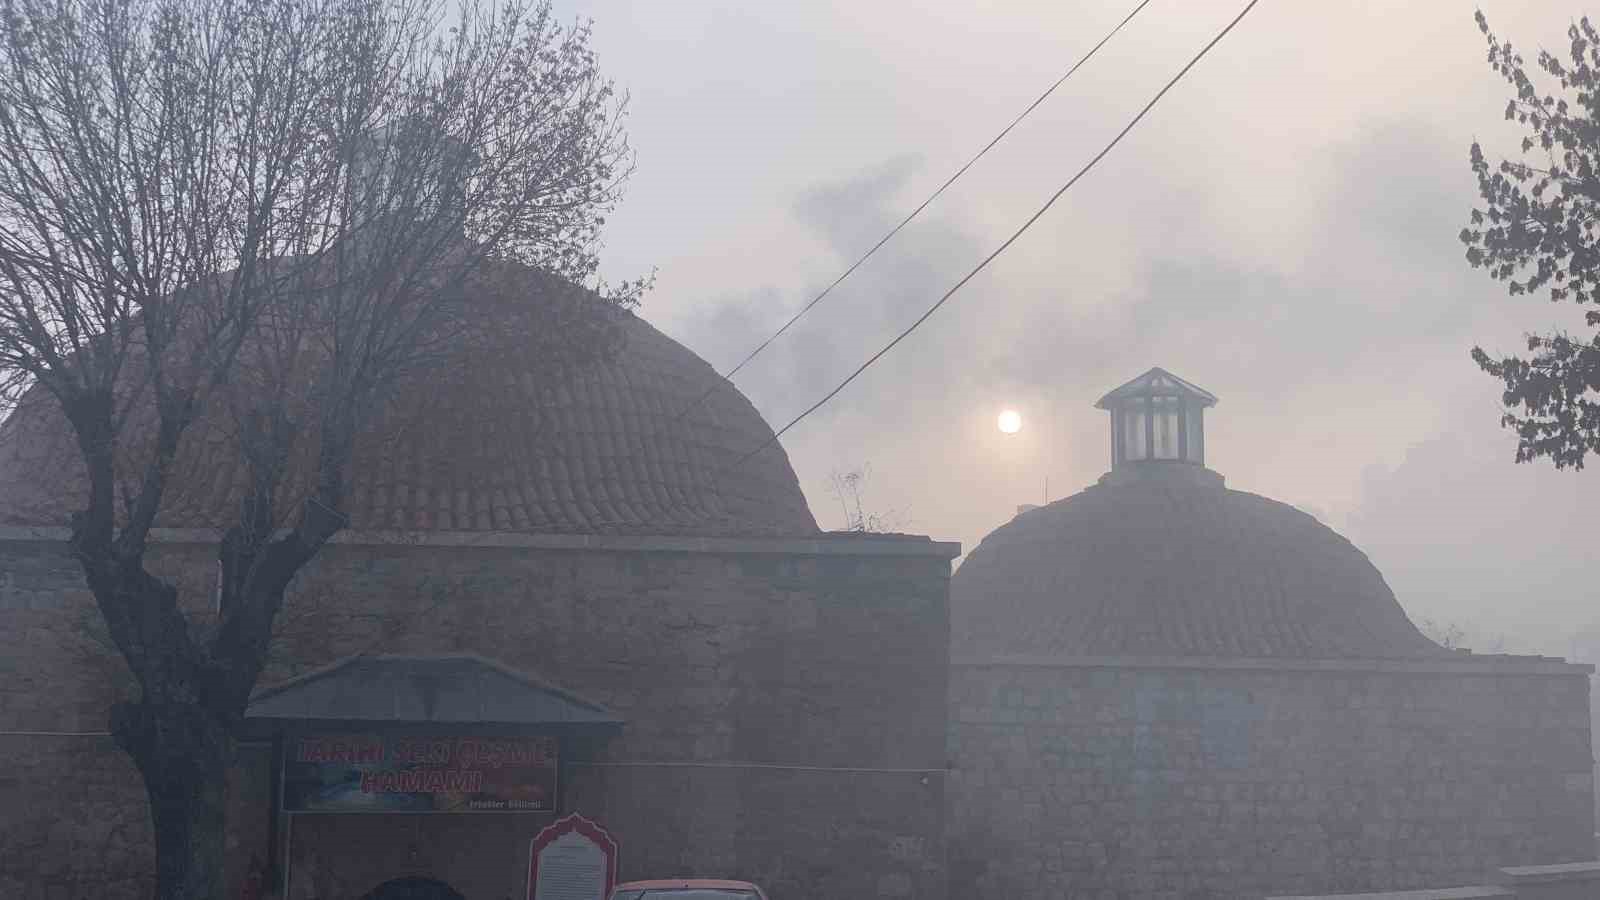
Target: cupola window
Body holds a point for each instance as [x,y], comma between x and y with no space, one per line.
[1157,417]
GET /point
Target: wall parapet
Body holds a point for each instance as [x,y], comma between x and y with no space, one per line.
[1564,881]
[1567,872]
[1459,893]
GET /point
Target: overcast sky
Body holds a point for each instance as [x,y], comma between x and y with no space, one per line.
[1281,231]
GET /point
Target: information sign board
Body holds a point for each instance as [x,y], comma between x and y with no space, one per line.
[385,773]
[572,859]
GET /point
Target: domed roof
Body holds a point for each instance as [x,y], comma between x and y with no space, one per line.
[605,448]
[1171,564]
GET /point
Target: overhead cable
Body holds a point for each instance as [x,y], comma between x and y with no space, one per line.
[911,215]
[1008,241]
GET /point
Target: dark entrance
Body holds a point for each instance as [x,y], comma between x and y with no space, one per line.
[413,888]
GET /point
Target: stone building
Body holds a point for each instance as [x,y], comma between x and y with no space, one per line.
[592,613]
[1164,688]
[551,598]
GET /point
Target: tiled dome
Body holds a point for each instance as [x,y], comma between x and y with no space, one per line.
[1174,566]
[602,450]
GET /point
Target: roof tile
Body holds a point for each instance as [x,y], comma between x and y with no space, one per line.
[606,449]
[1171,568]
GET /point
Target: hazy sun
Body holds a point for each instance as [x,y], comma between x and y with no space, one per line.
[1010,421]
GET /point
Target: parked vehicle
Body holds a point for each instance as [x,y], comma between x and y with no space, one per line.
[688,889]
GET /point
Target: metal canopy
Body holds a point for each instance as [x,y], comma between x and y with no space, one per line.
[456,690]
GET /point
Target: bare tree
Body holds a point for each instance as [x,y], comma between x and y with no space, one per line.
[1451,636]
[1448,635]
[249,224]
[848,487]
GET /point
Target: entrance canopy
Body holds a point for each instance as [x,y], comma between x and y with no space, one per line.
[447,691]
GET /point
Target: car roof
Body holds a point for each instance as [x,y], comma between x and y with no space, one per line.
[665,883]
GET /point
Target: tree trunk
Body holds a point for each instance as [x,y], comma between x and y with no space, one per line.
[182,751]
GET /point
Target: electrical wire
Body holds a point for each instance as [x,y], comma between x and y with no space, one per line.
[1009,241]
[728,377]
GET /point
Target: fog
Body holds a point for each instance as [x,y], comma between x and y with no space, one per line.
[1281,231]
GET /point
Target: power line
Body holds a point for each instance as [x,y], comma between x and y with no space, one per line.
[912,215]
[1009,241]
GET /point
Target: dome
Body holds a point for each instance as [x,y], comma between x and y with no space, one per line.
[1174,567]
[605,448]
[1160,559]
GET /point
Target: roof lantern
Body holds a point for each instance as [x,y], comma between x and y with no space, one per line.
[408,167]
[1157,417]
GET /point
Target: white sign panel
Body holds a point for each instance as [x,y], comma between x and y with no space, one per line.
[572,859]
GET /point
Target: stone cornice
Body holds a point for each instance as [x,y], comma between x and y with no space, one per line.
[824,544]
[1465,664]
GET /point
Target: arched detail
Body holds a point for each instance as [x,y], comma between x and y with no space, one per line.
[413,888]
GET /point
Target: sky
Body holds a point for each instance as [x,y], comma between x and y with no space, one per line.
[1281,230]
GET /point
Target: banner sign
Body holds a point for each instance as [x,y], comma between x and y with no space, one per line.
[572,858]
[372,773]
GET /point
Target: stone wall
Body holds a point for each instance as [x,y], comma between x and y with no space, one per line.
[1226,780]
[73,821]
[72,813]
[785,700]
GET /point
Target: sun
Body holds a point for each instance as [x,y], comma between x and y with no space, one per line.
[1010,421]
